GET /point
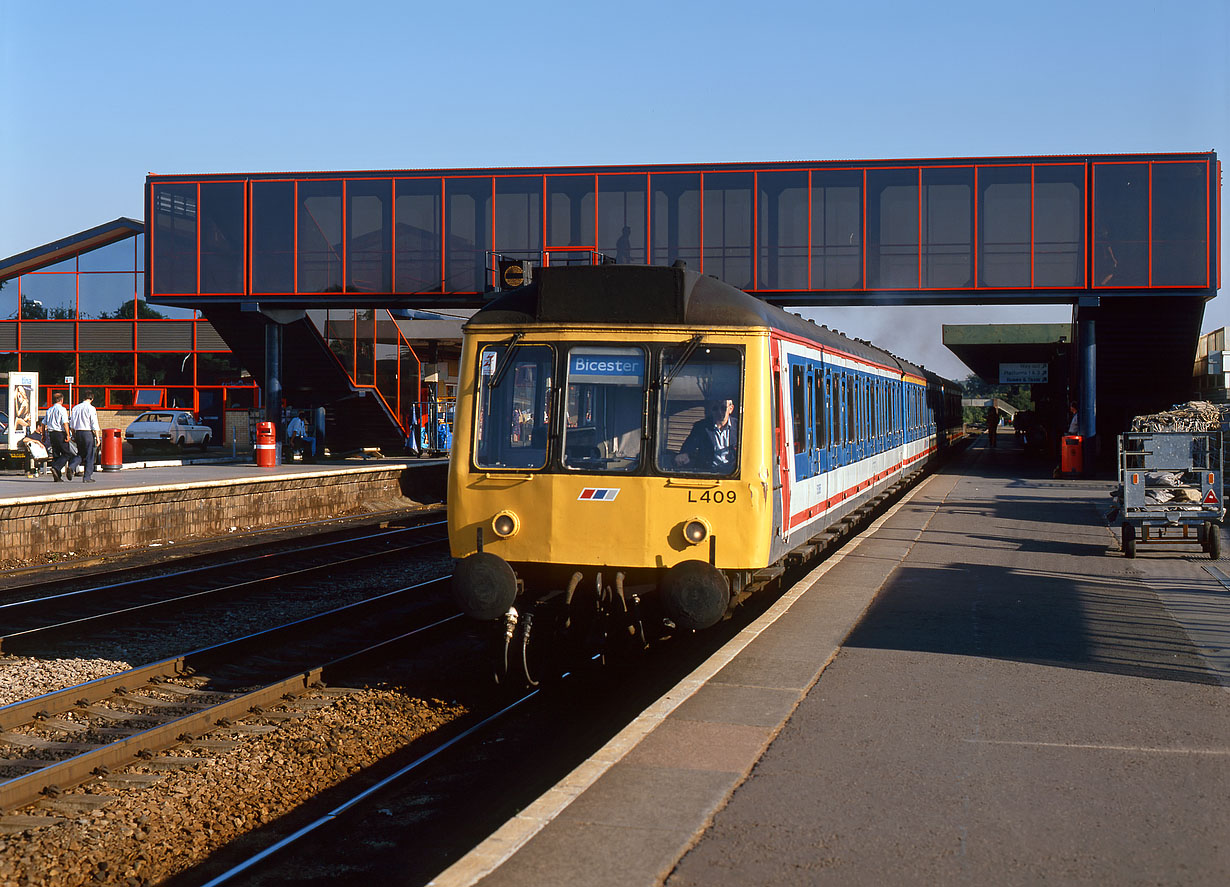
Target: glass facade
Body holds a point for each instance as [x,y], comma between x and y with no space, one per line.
[86,317]
[826,230]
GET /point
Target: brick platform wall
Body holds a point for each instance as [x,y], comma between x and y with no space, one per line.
[110,521]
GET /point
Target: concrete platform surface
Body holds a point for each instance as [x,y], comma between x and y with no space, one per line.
[983,691]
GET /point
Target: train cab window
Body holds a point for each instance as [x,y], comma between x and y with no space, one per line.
[513,407]
[699,411]
[603,420]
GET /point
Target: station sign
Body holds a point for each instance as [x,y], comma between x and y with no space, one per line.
[606,366]
[515,273]
[1023,373]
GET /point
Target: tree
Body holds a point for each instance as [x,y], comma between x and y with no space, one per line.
[125,312]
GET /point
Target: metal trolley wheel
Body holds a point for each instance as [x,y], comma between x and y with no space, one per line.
[1211,540]
[1129,540]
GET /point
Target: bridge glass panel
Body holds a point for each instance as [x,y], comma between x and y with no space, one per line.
[365,346]
[48,296]
[1004,229]
[112,257]
[837,229]
[1180,224]
[467,233]
[518,217]
[621,218]
[175,211]
[273,237]
[106,295]
[319,236]
[369,236]
[570,211]
[1059,225]
[1120,224]
[675,219]
[892,229]
[948,228]
[222,207]
[728,224]
[782,230]
[418,235]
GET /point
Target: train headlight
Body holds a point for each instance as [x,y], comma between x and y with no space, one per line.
[696,531]
[505,524]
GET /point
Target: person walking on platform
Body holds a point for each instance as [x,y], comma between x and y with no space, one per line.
[992,422]
[58,434]
[86,434]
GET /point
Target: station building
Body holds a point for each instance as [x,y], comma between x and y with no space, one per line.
[301,288]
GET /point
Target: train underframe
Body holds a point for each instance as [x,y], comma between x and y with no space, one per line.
[550,619]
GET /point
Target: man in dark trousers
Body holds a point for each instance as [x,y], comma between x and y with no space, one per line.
[58,434]
[83,420]
[992,422]
[710,445]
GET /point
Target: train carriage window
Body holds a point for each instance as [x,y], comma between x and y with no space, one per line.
[603,425]
[797,382]
[818,417]
[700,410]
[513,410]
[830,409]
[871,409]
[850,433]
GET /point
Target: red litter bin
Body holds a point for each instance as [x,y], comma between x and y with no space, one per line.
[266,445]
[112,449]
[1071,454]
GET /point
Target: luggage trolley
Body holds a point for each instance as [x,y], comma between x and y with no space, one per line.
[1170,487]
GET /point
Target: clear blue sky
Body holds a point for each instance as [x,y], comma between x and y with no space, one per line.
[93,96]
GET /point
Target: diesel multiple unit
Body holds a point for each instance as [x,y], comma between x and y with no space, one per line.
[633,443]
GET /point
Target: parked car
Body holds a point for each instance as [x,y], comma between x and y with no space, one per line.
[174,428]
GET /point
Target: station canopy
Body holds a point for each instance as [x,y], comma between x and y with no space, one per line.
[1012,353]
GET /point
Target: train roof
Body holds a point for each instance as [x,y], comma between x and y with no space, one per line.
[658,295]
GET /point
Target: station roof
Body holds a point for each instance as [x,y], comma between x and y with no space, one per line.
[57,251]
[984,346]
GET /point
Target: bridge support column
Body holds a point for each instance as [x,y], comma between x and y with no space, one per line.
[273,381]
[1087,410]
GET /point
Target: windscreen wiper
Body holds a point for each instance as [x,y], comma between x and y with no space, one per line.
[502,370]
[688,347]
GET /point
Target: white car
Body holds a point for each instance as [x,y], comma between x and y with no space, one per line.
[174,428]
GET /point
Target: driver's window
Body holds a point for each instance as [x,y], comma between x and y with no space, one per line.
[604,403]
[699,412]
[513,412]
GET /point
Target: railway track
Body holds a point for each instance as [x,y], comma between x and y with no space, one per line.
[83,731]
[36,622]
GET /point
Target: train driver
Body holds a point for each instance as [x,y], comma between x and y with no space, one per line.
[710,445]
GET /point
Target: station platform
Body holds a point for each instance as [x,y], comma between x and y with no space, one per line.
[174,500]
[982,690]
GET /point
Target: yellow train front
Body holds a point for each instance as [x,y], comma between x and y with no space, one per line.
[611,461]
[632,443]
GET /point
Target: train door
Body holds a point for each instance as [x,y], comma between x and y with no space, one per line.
[831,428]
[820,431]
[841,418]
[856,418]
[800,411]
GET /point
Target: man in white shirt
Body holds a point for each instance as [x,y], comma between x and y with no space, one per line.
[83,420]
[58,435]
[298,438]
